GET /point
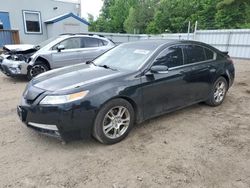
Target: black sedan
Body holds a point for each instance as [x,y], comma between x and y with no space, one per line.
[127,85]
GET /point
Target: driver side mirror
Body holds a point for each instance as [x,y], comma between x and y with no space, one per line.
[60,48]
[159,69]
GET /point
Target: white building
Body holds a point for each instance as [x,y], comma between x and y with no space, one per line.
[38,20]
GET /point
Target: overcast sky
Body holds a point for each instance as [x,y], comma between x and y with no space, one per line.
[90,6]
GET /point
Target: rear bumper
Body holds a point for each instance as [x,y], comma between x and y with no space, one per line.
[230,71]
[58,121]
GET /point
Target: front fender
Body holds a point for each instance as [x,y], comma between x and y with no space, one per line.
[131,91]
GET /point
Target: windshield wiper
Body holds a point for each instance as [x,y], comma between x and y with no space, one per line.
[90,62]
[104,66]
[107,67]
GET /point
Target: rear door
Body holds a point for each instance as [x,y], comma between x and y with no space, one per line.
[70,55]
[198,74]
[91,48]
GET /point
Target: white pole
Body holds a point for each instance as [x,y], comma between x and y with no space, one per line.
[195,29]
[189,25]
[80,8]
[196,26]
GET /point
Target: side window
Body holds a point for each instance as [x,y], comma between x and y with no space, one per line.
[70,43]
[220,56]
[90,42]
[209,54]
[105,43]
[171,57]
[100,42]
[193,54]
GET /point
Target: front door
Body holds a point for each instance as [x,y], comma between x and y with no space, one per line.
[165,91]
[70,55]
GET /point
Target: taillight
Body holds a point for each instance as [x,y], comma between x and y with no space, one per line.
[230,60]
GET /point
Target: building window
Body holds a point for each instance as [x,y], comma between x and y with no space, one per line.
[32,22]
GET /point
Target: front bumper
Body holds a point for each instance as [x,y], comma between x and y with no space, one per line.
[65,122]
[14,68]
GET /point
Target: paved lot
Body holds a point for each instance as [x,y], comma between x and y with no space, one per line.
[198,146]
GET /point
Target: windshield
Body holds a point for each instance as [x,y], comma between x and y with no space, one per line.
[127,57]
[44,43]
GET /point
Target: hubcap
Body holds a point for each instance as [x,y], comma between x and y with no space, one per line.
[116,122]
[220,91]
[37,69]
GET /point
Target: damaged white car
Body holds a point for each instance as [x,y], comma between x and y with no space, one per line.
[14,59]
[64,50]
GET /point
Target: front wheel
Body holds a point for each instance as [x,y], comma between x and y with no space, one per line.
[218,93]
[114,121]
[37,69]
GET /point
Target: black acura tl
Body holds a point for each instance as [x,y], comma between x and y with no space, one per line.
[127,85]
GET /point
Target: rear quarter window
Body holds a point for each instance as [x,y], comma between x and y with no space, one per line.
[220,56]
[209,54]
[105,43]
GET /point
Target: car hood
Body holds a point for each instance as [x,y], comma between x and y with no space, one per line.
[20,48]
[68,78]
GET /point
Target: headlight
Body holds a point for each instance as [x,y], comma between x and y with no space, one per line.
[62,99]
[15,66]
[28,60]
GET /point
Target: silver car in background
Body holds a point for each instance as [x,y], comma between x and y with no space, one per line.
[64,50]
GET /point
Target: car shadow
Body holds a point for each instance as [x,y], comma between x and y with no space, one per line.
[21,79]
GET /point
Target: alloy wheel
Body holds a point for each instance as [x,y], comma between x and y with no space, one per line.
[220,91]
[36,70]
[116,122]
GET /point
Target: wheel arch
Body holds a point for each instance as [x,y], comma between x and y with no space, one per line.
[131,102]
[226,74]
[42,59]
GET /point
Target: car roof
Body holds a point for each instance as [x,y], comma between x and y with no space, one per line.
[152,44]
[67,35]
[164,41]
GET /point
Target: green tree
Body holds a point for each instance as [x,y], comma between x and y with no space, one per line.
[231,14]
[173,15]
[131,22]
[159,16]
[140,16]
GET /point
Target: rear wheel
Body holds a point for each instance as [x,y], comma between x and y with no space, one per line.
[36,69]
[114,121]
[218,93]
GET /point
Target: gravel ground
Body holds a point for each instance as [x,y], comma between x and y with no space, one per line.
[199,146]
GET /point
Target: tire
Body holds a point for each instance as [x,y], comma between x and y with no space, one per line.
[218,93]
[110,126]
[37,69]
